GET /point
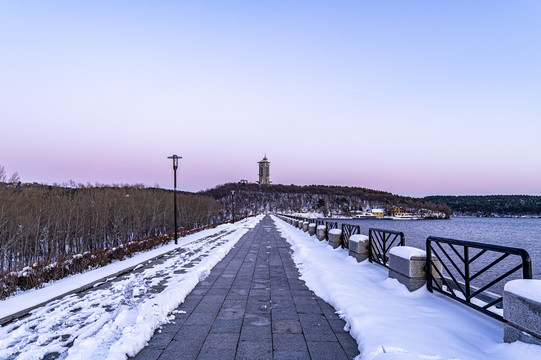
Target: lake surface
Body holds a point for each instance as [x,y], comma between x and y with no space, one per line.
[520,233]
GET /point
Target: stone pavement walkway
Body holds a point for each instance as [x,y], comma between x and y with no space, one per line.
[253,306]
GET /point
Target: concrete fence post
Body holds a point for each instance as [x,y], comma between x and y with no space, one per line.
[312,229]
[305,226]
[321,232]
[407,265]
[522,310]
[300,224]
[335,236]
[358,247]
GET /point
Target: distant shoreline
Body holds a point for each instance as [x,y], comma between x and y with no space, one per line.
[500,216]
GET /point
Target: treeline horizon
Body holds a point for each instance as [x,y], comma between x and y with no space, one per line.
[490,205]
[43,222]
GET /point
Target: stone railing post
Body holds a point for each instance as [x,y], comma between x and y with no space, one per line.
[321,232]
[334,237]
[312,229]
[358,247]
[522,310]
[305,226]
[407,265]
[299,225]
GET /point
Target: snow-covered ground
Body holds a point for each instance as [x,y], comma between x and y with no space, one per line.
[309,215]
[387,321]
[116,319]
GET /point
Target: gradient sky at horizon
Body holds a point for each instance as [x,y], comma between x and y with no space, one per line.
[411,97]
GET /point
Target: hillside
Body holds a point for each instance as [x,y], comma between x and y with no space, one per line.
[491,205]
[253,199]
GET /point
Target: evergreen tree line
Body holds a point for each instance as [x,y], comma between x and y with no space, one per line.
[42,223]
[490,205]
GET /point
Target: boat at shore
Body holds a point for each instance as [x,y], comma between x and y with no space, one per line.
[403,216]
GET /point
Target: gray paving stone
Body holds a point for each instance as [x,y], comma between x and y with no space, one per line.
[213,299]
[326,350]
[308,309]
[226,326]
[256,333]
[289,342]
[291,355]
[231,313]
[193,333]
[221,341]
[233,304]
[286,326]
[201,318]
[250,350]
[188,349]
[213,354]
[160,340]
[284,314]
[349,345]
[256,319]
[337,325]
[316,328]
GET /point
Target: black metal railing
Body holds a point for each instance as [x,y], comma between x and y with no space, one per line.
[330,225]
[380,242]
[347,231]
[473,273]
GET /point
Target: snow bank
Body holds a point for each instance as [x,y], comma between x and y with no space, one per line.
[335,231]
[407,252]
[387,321]
[34,297]
[358,237]
[312,215]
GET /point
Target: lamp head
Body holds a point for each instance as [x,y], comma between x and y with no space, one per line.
[175,160]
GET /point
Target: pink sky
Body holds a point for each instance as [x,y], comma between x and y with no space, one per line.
[416,100]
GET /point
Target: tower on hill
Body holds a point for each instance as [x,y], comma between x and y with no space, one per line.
[264,171]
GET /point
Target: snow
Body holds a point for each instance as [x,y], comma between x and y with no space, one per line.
[50,291]
[335,231]
[310,215]
[526,288]
[407,252]
[322,227]
[389,322]
[358,238]
[117,319]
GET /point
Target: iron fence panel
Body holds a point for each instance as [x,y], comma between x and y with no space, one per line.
[474,273]
[347,231]
[380,242]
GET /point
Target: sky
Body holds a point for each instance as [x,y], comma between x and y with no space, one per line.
[412,97]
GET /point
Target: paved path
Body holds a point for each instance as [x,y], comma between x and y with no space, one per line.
[253,306]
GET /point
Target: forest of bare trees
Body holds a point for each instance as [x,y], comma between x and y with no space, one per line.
[40,222]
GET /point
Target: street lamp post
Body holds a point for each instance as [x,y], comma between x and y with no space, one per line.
[232,206]
[175,167]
